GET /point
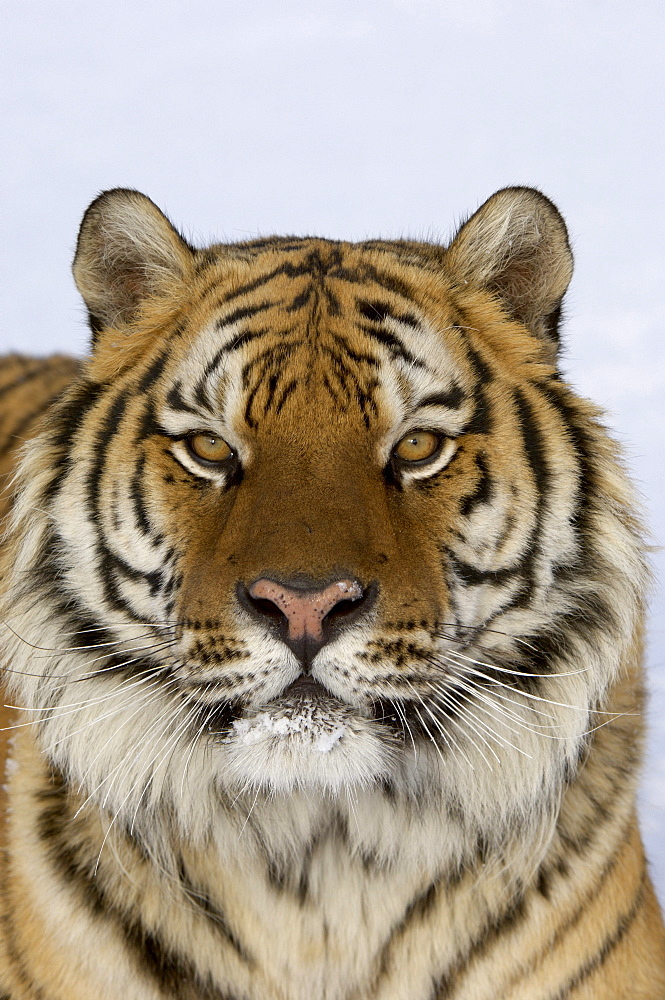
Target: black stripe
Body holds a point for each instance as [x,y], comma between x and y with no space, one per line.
[82,630]
[68,418]
[70,415]
[394,344]
[379,312]
[243,312]
[419,908]
[288,389]
[359,358]
[273,357]
[301,300]
[273,382]
[249,402]
[612,940]
[310,266]
[106,431]
[495,927]
[147,425]
[573,919]
[334,307]
[452,399]
[534,446]
[77,861]
[153,372]
[154,579]
[250,286]
[580,439]
[366,274]
[481,369]
[536,456]
[214,916]
[337,401]
[483,491]
[472,576]
[175,400]
[240,340]
[545,650]
[136,496]
[481,421]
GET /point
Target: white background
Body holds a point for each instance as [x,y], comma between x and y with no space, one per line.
[354,119]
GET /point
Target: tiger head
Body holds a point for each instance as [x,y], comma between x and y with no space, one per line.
[322,516]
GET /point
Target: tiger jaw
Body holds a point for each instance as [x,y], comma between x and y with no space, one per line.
[308,739]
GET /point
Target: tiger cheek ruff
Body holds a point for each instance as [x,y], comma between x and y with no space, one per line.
[323,600]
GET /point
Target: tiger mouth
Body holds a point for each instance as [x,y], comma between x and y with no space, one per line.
[305,697]
[306,687]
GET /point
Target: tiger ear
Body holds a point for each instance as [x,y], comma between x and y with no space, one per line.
[516,245]
[127,251]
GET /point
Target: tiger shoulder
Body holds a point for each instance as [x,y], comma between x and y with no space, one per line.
[322,600]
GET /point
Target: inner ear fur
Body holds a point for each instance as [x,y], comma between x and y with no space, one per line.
[127,251]
[516,246]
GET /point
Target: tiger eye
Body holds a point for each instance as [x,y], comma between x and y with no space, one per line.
[209,447]
[417,446]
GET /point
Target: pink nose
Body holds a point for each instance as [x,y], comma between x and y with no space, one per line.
[305,610]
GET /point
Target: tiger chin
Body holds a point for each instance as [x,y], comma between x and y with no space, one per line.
[322,600]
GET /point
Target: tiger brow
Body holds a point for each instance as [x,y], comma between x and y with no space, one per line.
[452,399]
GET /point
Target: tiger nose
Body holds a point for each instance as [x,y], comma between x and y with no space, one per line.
[304,610]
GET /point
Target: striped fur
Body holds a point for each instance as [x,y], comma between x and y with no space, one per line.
[448,811]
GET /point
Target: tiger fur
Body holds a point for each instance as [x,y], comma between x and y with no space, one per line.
[352,709]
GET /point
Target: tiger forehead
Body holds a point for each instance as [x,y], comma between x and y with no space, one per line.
[330,319]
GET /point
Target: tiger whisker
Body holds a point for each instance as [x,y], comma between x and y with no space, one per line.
[432,739]
[535,697]
[466,678]
[406,728]
[92,722]
[537,727]
[195,740]
[491,733]
[558,704]
[443,695]
[113,625]
[129,793]
[463,671]
[170,751]
[153,647]
[121,689]
[152,695]
[467,694]
[251,808]
[479,629]
[64,675]
[96,645]
[511,670]
[157,724]
[69,649]
[446,736]
[551,736]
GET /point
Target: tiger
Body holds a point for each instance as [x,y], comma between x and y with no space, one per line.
[322,606]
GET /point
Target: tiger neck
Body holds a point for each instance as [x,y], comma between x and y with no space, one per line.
[298,893]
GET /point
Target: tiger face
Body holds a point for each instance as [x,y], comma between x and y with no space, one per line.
[322,518]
